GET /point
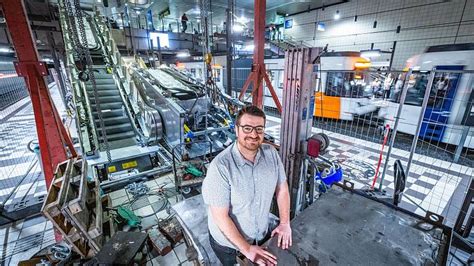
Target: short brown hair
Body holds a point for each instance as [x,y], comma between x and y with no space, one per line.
[250,110]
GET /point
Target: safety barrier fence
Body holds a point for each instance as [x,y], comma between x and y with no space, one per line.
[424,119]
[21,179]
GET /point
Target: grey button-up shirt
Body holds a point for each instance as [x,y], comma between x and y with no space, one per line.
[246,188]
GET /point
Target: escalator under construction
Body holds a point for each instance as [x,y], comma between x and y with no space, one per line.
[129,117]
[110,136]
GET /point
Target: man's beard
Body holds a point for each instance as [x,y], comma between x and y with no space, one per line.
[250,143]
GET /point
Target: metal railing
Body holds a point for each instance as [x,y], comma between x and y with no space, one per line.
[425,120]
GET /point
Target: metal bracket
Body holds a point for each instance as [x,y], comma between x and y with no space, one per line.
[22,68]
[348,184]
[434,218]
[254,67]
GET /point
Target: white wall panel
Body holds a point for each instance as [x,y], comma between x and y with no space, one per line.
[423,23]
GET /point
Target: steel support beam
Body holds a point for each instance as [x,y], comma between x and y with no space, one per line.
[52,135]
[297,117]
[258,74]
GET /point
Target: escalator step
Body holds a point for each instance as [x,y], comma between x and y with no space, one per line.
[101,87]
[108,113]
[107,99]
[103,93]
[104,81]
[118,136]
[116,120]
[107,106]
[115,129]
[103,75]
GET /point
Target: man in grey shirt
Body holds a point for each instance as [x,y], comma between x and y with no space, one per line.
[239,189]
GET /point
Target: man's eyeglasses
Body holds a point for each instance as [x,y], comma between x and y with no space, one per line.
[248,129]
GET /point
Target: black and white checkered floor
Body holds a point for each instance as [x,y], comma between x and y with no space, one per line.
[433,185]
[17,162]
[17,130]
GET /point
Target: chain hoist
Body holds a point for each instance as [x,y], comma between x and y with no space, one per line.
[81,45]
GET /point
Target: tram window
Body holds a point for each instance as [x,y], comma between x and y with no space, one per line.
[416,89]
[276,78]
[443,90]
[344,84]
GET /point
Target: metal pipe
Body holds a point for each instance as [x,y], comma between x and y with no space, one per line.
[395,126]
[420,119]
[391,56]
[35,160]
[57,68]
[160,60]
[129,179]
[229,49]
[207,131]
[460,146]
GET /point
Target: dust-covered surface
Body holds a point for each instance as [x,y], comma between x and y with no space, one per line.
[192,214]
[348,229]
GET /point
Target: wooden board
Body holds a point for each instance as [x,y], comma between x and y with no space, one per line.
[171,229]
[121,248]
[75,207]
[159,241]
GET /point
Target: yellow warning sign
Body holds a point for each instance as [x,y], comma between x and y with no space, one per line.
[129,164]
[112,169]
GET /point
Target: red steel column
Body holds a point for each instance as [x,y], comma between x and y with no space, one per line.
[259,52]
[51,133]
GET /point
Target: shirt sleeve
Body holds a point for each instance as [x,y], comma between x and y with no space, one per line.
[216,186]
[280,168]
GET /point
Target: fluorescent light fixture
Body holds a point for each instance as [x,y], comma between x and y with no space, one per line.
[249,48]
[370,53]
[337,15]
[238,28]
[380,64]
[138,2]
[5,50]
[242,20]
[362,65]
[321,26]
[183,54]
[164,39]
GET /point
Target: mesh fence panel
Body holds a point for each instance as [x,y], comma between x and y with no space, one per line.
[20,170]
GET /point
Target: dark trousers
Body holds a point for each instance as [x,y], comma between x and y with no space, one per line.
[184,24]
[225,254]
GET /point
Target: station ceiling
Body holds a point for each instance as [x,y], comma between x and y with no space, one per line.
[243,8]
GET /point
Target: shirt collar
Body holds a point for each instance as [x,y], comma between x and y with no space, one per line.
[241,161]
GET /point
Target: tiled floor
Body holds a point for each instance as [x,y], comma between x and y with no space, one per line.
[154,209]
[24,238]
[17,129]
[432,184]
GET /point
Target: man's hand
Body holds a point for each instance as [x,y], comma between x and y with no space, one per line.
[259,255]
[283,231]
